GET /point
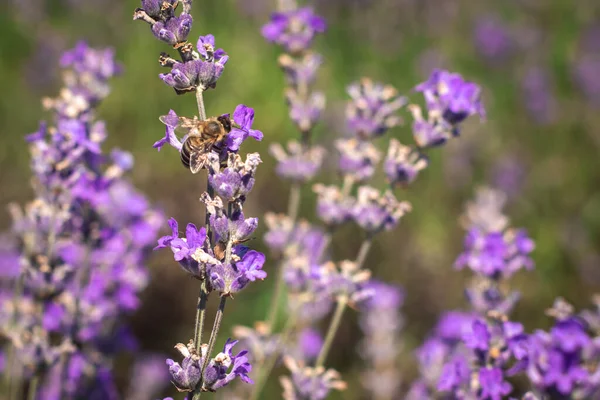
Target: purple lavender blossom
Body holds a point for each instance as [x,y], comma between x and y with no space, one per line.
[186,251]
[294,30]
[299,163]
[236,180]
[300,71]
[558,360]
[243,116]
[309,383]
[175,30]
[305,111]
[216,374]
[450,95]
[375,212]
[358,159]
[403,163]
[333,207]
[229,279]
[496,253]
[372,110]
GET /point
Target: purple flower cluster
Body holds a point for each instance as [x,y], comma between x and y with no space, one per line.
[449,100]
[294,30]
[82,244]
[471,355]
[200,68]
[220,370]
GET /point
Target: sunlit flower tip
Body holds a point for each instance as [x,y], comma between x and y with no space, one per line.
[333,208]
[170,120]
[294,30]
[347,281]
[376,212]
[485,211]
[431,132]
[299,163]
[372,109]
[403,163]
[185,376]
[300,71]
[309,383]
[358,158]
[236,180]
[452,96]
[174,30]
[305,112]
[243,118]
[225,367]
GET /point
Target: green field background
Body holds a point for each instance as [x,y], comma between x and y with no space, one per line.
[395,42]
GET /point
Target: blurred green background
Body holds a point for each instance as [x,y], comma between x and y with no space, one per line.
[537,60]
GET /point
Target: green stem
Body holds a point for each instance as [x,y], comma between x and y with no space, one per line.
[333,327]
[200,102]
[293,208]
[363,252]
[33,388]
[211,344]
[342,302]
[200,316]
[267,365]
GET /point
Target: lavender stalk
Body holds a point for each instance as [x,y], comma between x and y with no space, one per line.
[213,253]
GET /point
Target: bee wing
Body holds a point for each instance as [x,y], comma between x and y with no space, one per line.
[170,120]
[197,161]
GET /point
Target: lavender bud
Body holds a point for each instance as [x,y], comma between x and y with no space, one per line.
[229,279]
[216,374]
[237,179]
[333,208]
[305,112]
[175,30]
[375,212]
[372,110]
[300,71]
[186,376]
[450,96]
[358,158]
[403,163]
[299,164]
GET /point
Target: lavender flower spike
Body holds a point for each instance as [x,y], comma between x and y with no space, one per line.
[299,164]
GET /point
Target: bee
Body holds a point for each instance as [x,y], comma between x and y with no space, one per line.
[202,137]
